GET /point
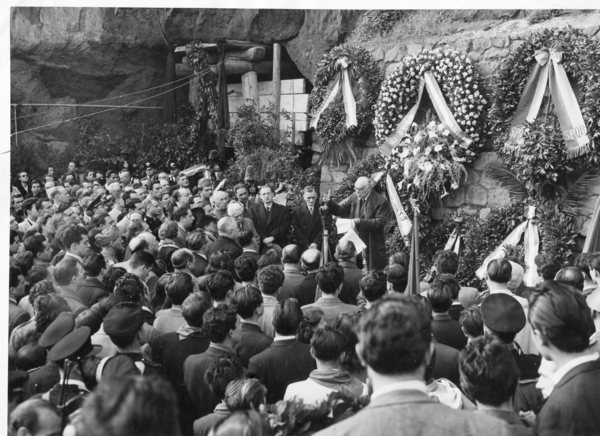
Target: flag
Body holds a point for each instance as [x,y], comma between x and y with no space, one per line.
[412,287]
[592,240]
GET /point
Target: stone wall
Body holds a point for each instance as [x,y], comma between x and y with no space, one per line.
[487,42]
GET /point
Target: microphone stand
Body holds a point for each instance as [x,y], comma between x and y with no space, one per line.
[325,255]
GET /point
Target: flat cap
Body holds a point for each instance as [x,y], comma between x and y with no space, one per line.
[71,344]
[503,314]
[123,319]
[149,165]
[107,235]
[58,329]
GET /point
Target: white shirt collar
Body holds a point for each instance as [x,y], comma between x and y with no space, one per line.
[408,385]
[279,337]
[563,370]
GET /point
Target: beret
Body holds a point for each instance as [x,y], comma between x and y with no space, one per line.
[70,344]
[123,319]
[58,329]
[503,314]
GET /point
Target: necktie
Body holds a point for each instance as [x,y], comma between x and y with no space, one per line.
[361,207]
[310,209]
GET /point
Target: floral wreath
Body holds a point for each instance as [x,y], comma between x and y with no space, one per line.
[543,149]
[459,83]
[332,122]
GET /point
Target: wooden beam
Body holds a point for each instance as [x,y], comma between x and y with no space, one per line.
[239,67]
[231,43]
[250,87]
[276,86]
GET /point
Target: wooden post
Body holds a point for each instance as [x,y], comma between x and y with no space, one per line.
[250,88]
[194,92]
[276,87]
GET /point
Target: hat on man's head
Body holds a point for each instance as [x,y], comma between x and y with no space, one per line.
[173,166]
[149,165]
[58,329]
[107,235]
[77,343]
[123,319]
[502,313]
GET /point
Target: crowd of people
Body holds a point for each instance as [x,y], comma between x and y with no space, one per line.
[156,304]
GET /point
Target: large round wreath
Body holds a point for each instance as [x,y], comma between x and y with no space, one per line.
[540,163]
[332,123]
[460,85]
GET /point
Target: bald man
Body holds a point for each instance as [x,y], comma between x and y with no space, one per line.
[369,211]
[228,229]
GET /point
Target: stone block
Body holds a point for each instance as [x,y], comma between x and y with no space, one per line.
[390,67]
[378,54]
[515,44]
[413,48]
[498,197]
[487,68]
[484,159]
[390,54]
[495,53]
[455,199]
[439,213]
[326,176]
[476,195]
[463,45]
[473,176]
[483,213]
[481,44]
[500,41]
[487,182]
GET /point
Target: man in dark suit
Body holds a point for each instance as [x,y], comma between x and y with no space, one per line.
[562,324]
[369,212]
[445,330]
[271,220]
[345,253]
[286,360]
[219,323]
[306,290]
[306,219]
[91,290]
[395,346]
[290,257]
[252,340]
[227,228]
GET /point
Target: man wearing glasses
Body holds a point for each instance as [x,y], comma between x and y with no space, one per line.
[23,184]
[369,212]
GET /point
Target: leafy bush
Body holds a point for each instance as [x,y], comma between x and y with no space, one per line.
[250,131]
[377,23]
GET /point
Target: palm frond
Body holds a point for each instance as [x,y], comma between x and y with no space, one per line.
[578,192]
[508,180]
[338,153]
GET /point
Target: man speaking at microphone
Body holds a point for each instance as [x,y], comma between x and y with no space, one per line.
[369,212]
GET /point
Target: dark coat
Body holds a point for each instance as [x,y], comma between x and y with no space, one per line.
[292,278]
[305,292]
[572,408]
[370,227]
[16,316]
[91,290]
[448,331]
[252,341]
[194,369]
[308,228]
[350,288]
[276,224]
[284,362]
[446,363]
[224,243]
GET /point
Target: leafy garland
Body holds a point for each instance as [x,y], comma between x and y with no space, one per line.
[197,57]
[458,80]
[540,164]
[337,142]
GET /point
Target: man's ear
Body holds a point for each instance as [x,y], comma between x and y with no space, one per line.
[22,431]
[429,354]
[358,350]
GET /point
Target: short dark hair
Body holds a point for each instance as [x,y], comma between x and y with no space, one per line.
[446,262]
[287,316]
[327,343]
[245,237]
[72,234]
[247,299]
[220,373]
[219,284]
[195,240]
[111,277]
[397,275]
[271,257]
[245,394]
[395,334]
[141,258]
[34,243]
[291,254]
[440,297]
[448,281]
[270,279]
[194,307]
[572,276]
[372,286]
[547,265]
[245,268]
[93,264]
[129,288]
[561,316]
[178,286]
[47,307]
[470,320]
[499,270]
[179,213]
[329,277]
[220,260]
[37,273]
[219,321]
[488,371]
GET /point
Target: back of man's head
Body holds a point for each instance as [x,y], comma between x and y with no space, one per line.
[194,307]
[311,259]
[397,276]
[488,371]
[141,258]
[227,226]
[129,287]
[65,271]
[246,299]
[330,278]
[572,276]
[547,266]
[291,254]
[499,270]
[395,334]
[287,316]
[35,416]
[270,279]
[72,234]
[179,213]
[446,262]
[245,238]
[219,284]
[327,344]
[372,286]
[245,268]
[181,258]
[178,286]
[93,264]
[219,321]
[440,297]
[345,251]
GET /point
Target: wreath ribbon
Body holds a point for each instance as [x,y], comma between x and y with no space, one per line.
[549,69]
[454,242]
[531,244]
[341,82]
[404,223]
[441,108]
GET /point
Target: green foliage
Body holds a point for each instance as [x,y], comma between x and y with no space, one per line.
[557,233]
[96,148]
[377,23]
[251,131]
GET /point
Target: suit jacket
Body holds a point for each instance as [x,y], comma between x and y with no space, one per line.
[308,228]
[276,224]
[252,341]
[448,331]
[331,307]
[91,290]
[572,408]
[224,243]
[284,362]
[305,292]
[292,278]
[372,220]
[446,363]
[350,288]
[194,369]
[411,412]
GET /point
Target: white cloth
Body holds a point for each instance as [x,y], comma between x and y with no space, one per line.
[409,385]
